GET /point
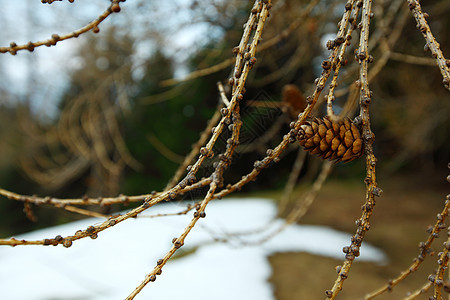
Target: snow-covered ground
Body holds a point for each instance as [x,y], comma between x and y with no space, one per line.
[111,266]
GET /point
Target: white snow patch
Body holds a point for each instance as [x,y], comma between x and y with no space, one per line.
[114,264]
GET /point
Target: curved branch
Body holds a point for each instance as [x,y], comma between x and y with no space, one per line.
[113,8]
[432,44]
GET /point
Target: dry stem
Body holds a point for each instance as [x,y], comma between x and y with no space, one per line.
[13,48]
[438,281]
[232,113]
[228,62]
[423,289]
[424,250]
[432,44]
[372,190]
[292,180]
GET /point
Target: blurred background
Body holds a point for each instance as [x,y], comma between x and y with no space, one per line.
[99,115]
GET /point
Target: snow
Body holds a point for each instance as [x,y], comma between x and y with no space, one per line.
[111,266]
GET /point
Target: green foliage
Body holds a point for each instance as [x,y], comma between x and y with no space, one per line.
[174,122]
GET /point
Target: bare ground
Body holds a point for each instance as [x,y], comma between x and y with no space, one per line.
[407,207]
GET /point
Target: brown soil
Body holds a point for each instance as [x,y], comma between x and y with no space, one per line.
[407,207]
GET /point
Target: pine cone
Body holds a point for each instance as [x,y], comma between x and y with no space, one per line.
[293,99]
[340,141]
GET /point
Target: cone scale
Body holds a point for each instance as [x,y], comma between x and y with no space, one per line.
[332,140]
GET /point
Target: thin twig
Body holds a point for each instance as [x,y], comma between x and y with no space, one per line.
[232,113]
[302,205]
[423,289]
[432,43]
[438,280]
[339,62]
[223,96]
[13,48]
[292,180]
[195,149]
[84,212]
[265,45]
[424,250]
[372,190]
[164,150]
[183,212]
[412,59]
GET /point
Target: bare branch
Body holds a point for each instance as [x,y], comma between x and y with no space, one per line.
[113,8]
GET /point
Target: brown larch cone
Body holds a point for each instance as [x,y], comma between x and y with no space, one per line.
[293,99]
[340,140]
